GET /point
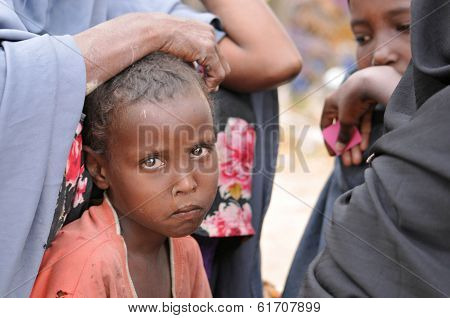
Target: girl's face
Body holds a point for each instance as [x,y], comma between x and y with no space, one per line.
[381,30]
[162,167]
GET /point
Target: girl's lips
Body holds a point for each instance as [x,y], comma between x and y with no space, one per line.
[187,209]
[188,212]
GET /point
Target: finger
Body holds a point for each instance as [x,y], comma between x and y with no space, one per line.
[223,60]
[330,150]
[356,155]
[346,158]
[345,134]
[214,70]
[225,65]
[329,112]
[366,127]
[214,75]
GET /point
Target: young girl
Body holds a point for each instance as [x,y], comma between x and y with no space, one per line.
[381,30]
[149,139]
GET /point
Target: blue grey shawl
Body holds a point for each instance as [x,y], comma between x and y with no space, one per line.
[42,89]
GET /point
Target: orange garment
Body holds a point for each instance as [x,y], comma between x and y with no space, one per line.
[89,259]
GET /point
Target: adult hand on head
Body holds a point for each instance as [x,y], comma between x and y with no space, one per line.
[352,104]
[110,47]
[194,42]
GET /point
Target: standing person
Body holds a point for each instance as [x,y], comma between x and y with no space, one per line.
[53,73]
[247,128]
[381,30]
[157,187]
[388,236]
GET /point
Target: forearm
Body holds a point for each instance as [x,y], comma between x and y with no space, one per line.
[380,83]
[110,47]
[259,50]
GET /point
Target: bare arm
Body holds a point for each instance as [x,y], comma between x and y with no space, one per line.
[380,82]
[110,47]
[260,53]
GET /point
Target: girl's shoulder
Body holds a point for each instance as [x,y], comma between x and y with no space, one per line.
[88,249]
[96,227]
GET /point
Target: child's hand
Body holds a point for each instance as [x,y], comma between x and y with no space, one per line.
[352,104]
[351,112]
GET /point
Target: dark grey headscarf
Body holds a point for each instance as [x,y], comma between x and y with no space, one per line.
[389,237]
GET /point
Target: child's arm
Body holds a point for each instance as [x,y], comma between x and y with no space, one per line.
[260,53]
[352,104]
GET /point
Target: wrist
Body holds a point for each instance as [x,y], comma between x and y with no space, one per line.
[380,83]
[150,30]
[357,87]
[367,85]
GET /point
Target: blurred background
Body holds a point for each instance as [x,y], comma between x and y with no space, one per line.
[320,29]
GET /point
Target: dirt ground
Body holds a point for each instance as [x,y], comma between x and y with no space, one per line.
[296,188]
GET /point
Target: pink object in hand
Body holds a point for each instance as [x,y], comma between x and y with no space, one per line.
[330,134]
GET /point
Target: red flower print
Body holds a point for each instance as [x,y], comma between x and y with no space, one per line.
[73,164]
[236,149]
[230,220]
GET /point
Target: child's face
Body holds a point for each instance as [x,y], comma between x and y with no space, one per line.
[381,30]
[162,159]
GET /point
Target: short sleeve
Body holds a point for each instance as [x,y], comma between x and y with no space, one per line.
[184,11]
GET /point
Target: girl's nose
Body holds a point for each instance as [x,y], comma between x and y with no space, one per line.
[385,54]
[184,185]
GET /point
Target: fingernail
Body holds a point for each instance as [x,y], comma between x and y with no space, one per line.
[340,146]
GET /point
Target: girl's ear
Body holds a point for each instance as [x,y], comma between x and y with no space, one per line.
[95,163]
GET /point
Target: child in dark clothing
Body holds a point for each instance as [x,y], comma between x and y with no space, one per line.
[381,30]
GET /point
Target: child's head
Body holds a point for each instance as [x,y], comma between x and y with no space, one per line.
[381,30]
[149,139]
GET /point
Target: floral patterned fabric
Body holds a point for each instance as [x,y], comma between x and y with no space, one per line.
[231,213]
[75,187]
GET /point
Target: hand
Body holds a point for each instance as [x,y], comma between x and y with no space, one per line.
[109,47]
[358,115]
[193,42]
[352,104]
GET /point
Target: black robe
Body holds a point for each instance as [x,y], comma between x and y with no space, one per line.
[390,236]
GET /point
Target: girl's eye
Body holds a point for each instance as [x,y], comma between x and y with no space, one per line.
[403,27]
[152,163]
[199,152]
[362,39]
